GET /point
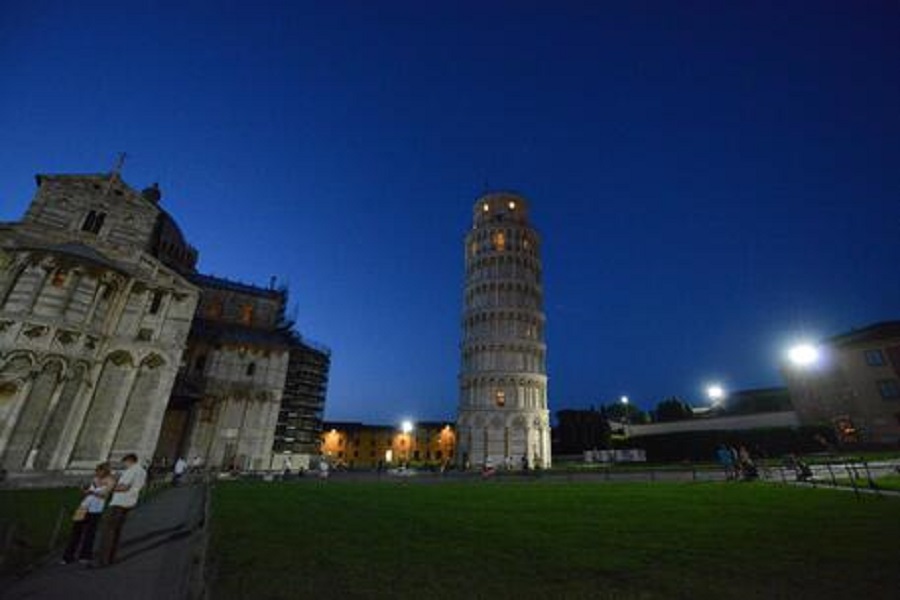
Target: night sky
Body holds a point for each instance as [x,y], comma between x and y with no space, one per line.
[711,180]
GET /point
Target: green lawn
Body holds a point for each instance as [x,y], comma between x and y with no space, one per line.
[34,514]
[533,540]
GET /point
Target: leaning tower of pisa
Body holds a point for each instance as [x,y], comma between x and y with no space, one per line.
[503,414]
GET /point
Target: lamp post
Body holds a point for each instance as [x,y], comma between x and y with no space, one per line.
[407,428]
[624,401]
[715,393]
[803,355]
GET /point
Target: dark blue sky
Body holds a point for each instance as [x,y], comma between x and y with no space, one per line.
[712,180]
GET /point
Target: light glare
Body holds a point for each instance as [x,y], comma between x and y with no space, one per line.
[803,355]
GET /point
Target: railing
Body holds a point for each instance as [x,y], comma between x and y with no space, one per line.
[859,475]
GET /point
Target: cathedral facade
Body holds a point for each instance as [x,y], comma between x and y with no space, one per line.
[109,336]
[503,415]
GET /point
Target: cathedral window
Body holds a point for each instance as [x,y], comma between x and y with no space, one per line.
[485,207]
[59,279]
[251,369]
[500,398]
[93,222]
[155,302]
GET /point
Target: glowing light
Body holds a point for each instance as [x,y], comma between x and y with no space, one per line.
[512,206]
[715,393]
[624,400]
[803,355]
[406,426]
[485,207]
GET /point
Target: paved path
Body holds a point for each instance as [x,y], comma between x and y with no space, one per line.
[161,544]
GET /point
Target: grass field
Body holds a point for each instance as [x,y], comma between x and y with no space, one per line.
[533,540]
[34,514]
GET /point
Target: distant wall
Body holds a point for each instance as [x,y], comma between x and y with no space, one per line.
[759,421]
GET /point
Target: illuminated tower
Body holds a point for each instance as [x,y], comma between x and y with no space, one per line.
[503,414]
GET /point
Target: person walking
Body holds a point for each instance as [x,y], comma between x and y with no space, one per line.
[87,515]
[124,498]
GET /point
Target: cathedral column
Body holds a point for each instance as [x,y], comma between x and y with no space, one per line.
[38,439]
[9,424]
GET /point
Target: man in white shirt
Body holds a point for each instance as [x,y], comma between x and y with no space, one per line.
[179,470]
[124,498]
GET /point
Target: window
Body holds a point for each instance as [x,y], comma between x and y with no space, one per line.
[251,369]
[200,363]
[93,222]
[500,398]
[485,207]
[247,314]
[499,241]
[874,358]
[59,279]
[155,302]
[889,388]
[214,310]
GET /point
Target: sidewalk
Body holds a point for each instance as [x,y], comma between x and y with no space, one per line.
[161,542]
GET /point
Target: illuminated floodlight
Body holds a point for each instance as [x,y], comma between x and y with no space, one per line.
[803,355]
[406,426]
[624,400]
[715,393]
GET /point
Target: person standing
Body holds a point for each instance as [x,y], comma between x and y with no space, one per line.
[87,516]
[124,498]
[179,470]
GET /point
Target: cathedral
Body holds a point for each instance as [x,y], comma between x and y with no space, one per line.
[112,342]
[503,416]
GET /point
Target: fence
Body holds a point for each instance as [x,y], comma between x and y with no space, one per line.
[859,475]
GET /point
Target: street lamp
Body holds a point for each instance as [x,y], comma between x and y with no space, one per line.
[624,401]
[407,427]
[715,393]
[803,355]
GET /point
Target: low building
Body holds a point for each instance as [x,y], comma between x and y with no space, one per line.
[851,382]
[755,401]
[357,445]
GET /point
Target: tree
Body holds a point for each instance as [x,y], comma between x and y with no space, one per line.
[673,409]
[616,411]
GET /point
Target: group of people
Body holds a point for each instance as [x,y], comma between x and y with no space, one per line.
[738,463]
[109,499]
